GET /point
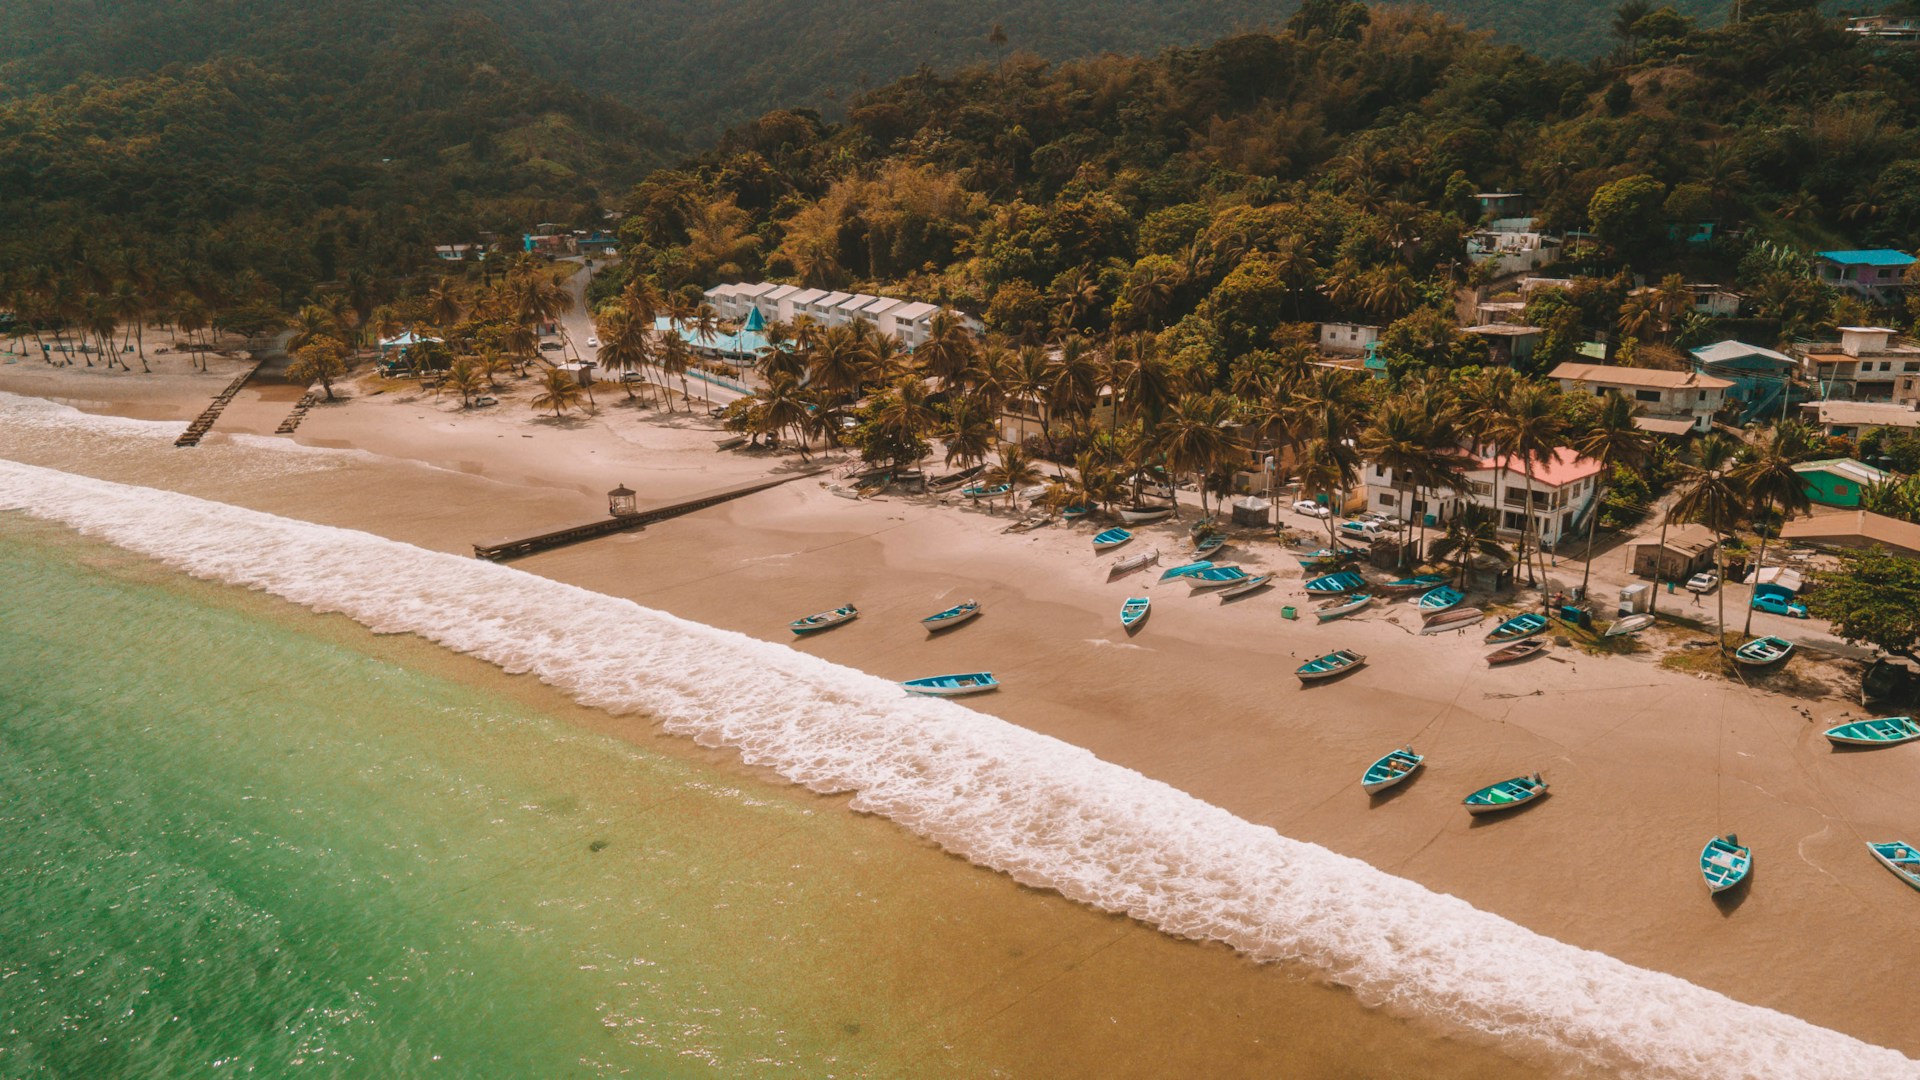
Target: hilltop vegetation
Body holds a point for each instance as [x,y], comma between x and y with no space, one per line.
[704,64]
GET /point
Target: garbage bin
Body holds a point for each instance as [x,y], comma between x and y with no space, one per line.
[1288,612]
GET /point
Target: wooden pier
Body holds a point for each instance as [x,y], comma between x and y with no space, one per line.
[191,437]
[513,549]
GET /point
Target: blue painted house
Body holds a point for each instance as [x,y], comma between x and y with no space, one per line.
[1760,376]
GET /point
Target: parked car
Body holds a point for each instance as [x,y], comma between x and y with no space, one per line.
[1704,582]
[593,343]
[1779,605]
[1311,509]
[485,400]
[1366,530]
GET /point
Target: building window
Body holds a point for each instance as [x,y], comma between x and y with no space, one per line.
[1840,489]
[1646,395]
[1515,522]
[1387,499]
[1480,487]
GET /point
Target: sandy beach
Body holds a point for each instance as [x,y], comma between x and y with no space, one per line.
[1645,763]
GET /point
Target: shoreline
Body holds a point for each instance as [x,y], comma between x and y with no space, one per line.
[1200,698]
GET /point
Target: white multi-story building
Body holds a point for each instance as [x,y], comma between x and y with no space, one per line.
[1564,488]
[908,320]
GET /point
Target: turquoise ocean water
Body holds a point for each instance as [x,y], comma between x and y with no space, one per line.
[232,846]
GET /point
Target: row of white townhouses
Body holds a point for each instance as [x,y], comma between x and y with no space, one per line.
[907,320]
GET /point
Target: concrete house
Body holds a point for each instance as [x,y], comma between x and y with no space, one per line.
[799,303]
[1347,338]
[1874,273]
[1857,529]
[1563,491]
[1864,365]
[910,323]
[1838,481]
[1687,551]
[1853,419]
[1661,395]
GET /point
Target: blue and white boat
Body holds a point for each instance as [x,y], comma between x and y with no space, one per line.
[1885,731]
[1899,857]
[1724,862]
[1506,794]
[1762,651]
[1326,667]
[1441,598]
[1391,770]
[1075,513]
[1419,584]
[1133,612]
[1242,588]
[952,617]
[1330,610]
[1334,584]
[1110,539]
[1215,577]
[1326,557]
[1183,571]
[824,620]
[978,682]
[1524,625]
[979,491]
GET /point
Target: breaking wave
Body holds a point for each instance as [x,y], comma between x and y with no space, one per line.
[1047,813]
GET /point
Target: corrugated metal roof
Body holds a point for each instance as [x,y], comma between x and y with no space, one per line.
[1615,375]
[1722,351]
[1868,257]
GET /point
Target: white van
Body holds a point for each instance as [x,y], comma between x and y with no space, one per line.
[1366,530]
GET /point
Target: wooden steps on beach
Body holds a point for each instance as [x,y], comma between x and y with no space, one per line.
[202,423]
[513,549]
[299,413]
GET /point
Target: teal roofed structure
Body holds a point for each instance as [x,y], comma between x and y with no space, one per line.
[754,324]
[1868,257]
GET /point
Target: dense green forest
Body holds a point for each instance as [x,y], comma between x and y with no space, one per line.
[704,64]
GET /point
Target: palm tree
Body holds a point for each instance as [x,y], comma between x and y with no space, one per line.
[1194,439]
[968,431]
[907,414]
[1328,467]
[838,364]
[948,350]
[624,344]
[1614,440]
[559,390]
[1015,469]
[675,357]
[1397,441]
[1473,531]
[1709,496]
[466,379]
[781,406]
[1529,431]
[1769,483]
[443,305]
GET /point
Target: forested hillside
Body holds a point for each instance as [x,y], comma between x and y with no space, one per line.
[699,63]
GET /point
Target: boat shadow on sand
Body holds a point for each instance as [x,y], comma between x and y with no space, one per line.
[1380,798]
[1482,821]
[1729,900]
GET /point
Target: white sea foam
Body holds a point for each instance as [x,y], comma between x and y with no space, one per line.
[1045,812]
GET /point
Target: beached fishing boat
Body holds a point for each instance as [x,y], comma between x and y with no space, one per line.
[1334,584]
[1075,513]
[1325,557]
[1524,625]
[1632,624]
[1342,605]
[1258,581]
[952,685]
[1519,650]
[1506,794]
[982,491]
[1326,667]
[824,620]
[1128,564]
[1724,862]
[1215,577]
[1110,539]
[1886,731]
[952,617]
[1763,651]
[954,479]
[1899,857]
[1390,770]
[1141,515]
[1441,598]
[1134,612]
[1420,584]
[1451,619]
[1207,545]
[1183,571]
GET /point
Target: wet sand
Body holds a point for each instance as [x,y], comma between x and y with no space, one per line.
[1645,763]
